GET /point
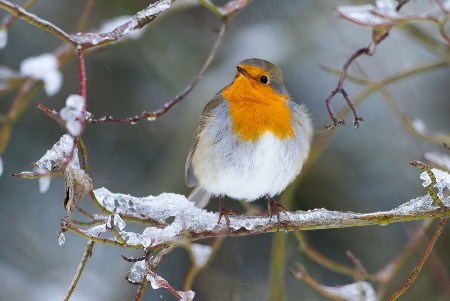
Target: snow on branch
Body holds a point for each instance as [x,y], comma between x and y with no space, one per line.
[173,218]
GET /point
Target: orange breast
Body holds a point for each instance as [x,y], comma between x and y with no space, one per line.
[256,109]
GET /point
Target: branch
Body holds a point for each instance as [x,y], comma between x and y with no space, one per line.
[91,40]
[421,262]
[168,105]
[87,253]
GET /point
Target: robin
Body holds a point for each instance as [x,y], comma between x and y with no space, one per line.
[252,138]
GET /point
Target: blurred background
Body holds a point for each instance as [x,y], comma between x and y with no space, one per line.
[361,170]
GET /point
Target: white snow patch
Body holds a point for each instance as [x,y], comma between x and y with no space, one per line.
[95,230]
[442,180]
[58,154]
[44,183]
[74,114]
[186,296]
[61,238]
[3,37]
[45,68]
[137,272]
[118,221]
[112,24]
[201,254]
[359,291]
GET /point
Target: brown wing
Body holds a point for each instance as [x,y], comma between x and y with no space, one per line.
[191,179]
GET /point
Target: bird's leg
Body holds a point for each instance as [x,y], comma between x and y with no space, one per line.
[224,212]
[271,203]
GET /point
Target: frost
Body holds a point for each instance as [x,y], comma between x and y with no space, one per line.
[58,154]
[3,37]
[118,221]
[157,281]
[61,239]
[201,254]
[360,291]
[137,272]
[1,166]
[45,68]
[442,180]
[74,114]
[96,230]
[438,158]
[186,296]
[157,8]
[112,24]
[44,183]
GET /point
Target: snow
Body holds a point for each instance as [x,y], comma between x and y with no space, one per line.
[44,67]
[186,296]
[58,154]
[443,160]
[137,272]
[74,114]
[44,183]
[3,37]
[442,180]
[61,238]
[112,24]
[95,230]
[359,291]
[118,221]
[201,254]
[156,8]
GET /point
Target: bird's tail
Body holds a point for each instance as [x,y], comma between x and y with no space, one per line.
[199,196]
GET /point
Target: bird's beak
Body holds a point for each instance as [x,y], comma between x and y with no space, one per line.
[242,71]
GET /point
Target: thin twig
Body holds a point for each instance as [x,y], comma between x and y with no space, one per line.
[168,105]
[420,263]
[301,274]
[86,254]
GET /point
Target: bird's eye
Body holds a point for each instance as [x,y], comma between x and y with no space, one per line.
[264,80]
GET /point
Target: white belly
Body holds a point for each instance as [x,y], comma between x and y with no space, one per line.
[249,170]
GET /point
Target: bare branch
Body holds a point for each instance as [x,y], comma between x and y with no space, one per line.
[421,262]
[168,105]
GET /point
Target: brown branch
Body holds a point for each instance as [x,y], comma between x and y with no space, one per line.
[86,254]
[421,262]
[91,40]
[168,105]
[429,188]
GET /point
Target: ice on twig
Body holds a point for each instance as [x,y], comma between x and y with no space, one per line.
[1,166]
[3,37]
[112,24]
[44,67]
[118,221]
[44,180]
[200,254]
[186,296]
[95,231]
[60,153]
[61,238]
[442,180]
[359,291]
[73,114]
[137,272]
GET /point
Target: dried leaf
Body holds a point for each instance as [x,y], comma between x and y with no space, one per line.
[77,184]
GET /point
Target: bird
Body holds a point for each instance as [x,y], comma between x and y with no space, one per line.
[252,139]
